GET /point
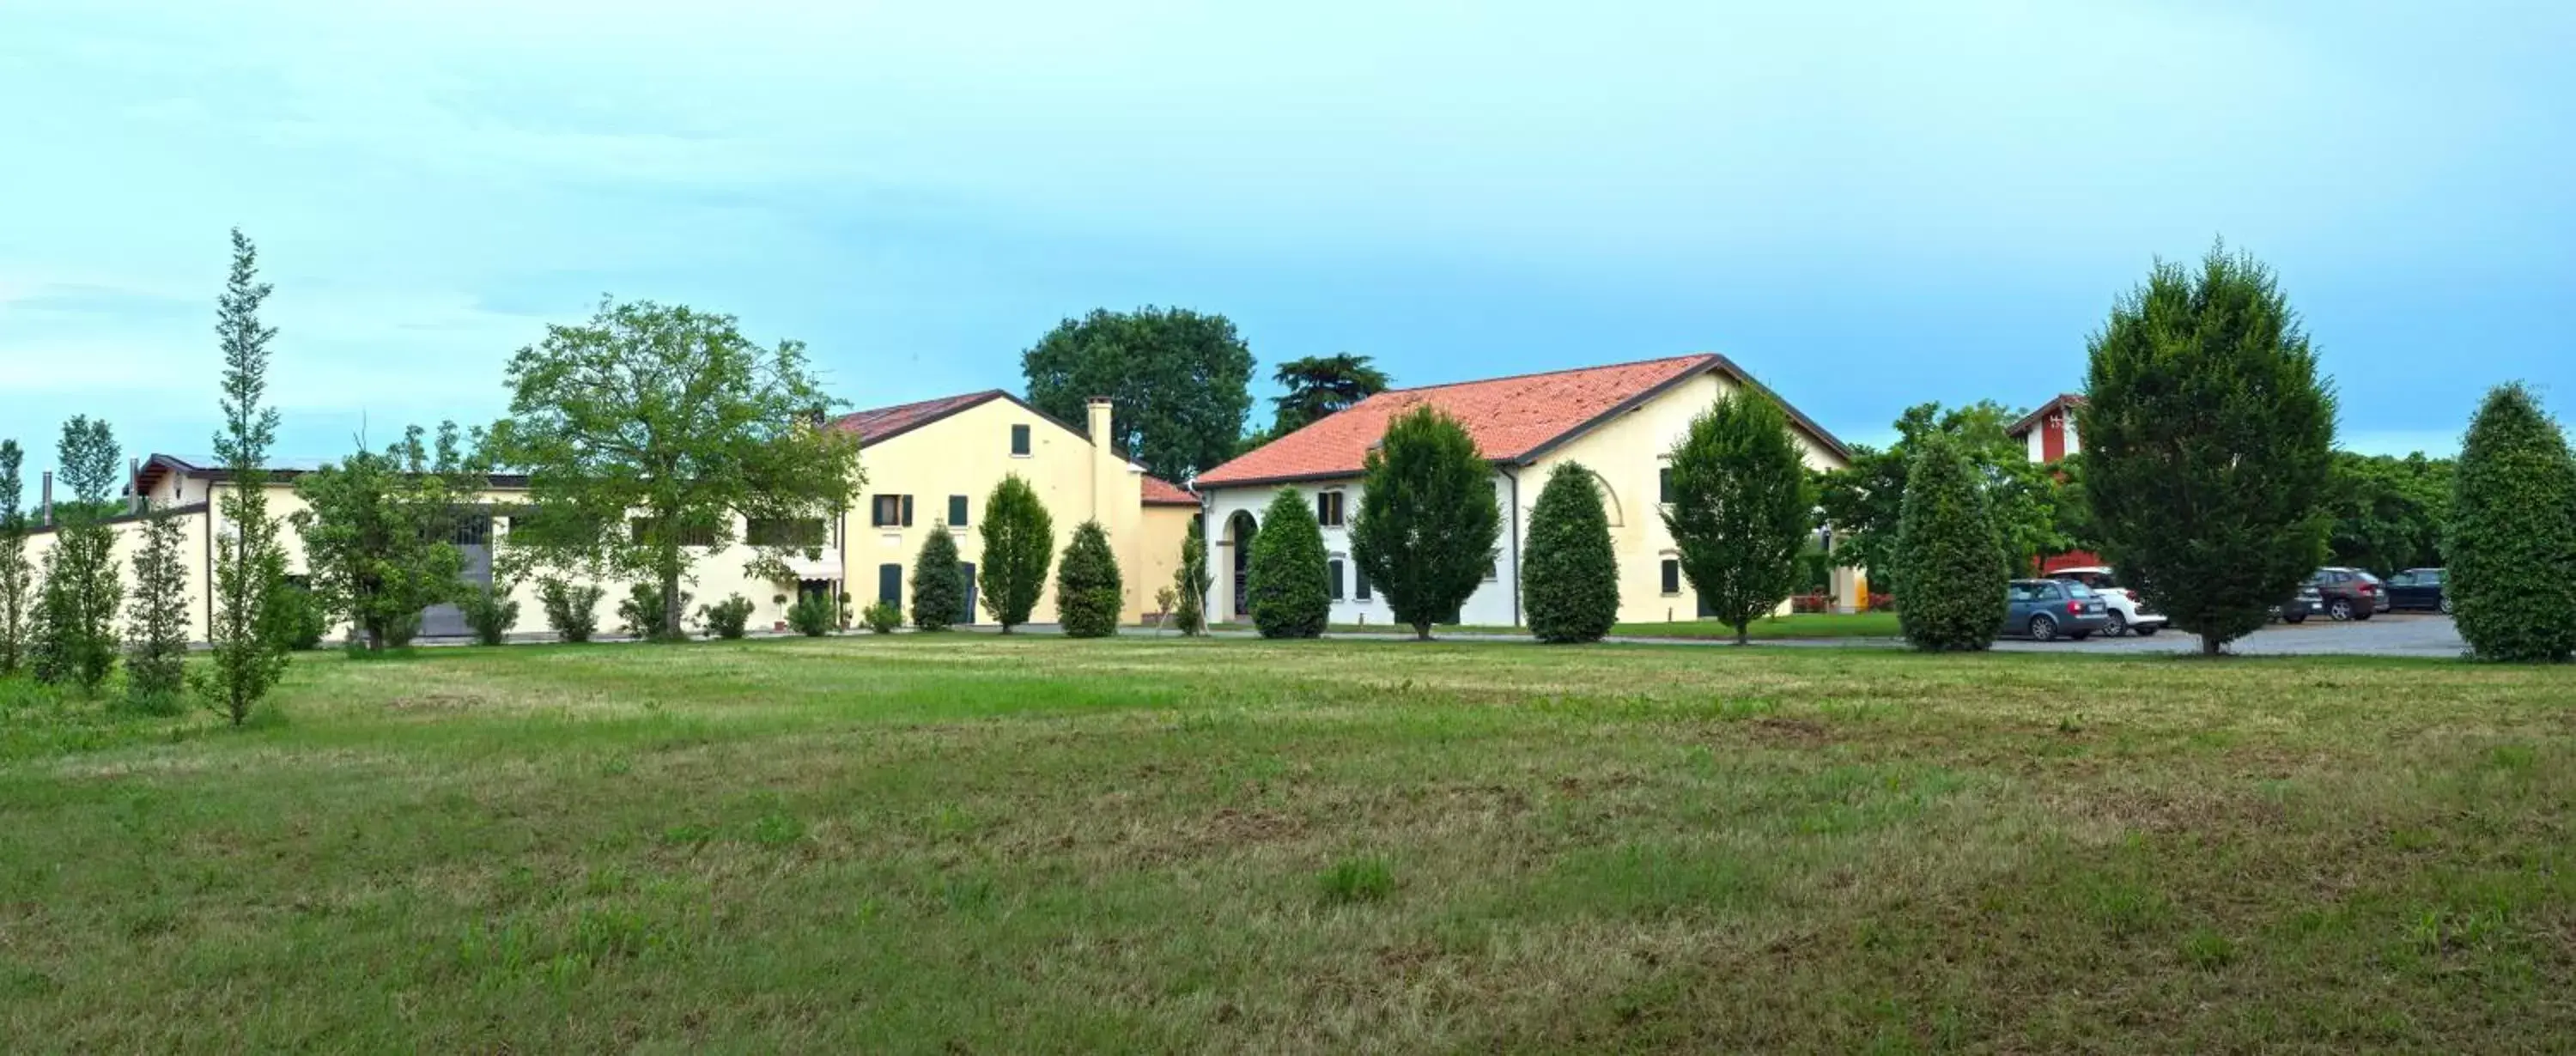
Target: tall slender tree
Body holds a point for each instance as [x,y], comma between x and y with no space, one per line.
[1191,581]
[1740,508]
[250,564]
[1088,589]
[16,577]
[1289,591]
[1570,572]
[156,618]
[380,531]
[938,583]
[1427,523]
[1019,543]
[2209,445]
[75,621]
[2512,547]
[1951,564]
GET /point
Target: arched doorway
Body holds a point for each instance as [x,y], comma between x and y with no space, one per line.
[1239,530]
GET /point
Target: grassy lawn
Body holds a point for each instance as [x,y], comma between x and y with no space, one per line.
[1803,625]
[968,843]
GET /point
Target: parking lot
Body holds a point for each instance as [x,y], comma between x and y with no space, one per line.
[2389,634]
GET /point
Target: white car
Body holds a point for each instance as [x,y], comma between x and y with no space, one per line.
[2128,614]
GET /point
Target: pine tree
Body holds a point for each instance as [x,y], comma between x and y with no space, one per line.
[2512,544]
[1569,571]
[1088,591]
[1427,521]
[250,565]
[2208,446]
[156,619]
[938,583]
[1192,582]
[1289,592]
[1740,508]
[1019,543]
[75,620]
[16,576]
[1951,570]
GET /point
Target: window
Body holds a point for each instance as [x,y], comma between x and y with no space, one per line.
[890,584]
[890,511]
[694,535]
[1672,575]
[1020,440]
[957,511]
[474,529]
[1328,509]
[1333,579]
[1664,484]
[783,531]
[1359,582]
[1493,568]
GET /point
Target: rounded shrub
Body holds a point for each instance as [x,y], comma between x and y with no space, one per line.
[572,611]
[491,612]
[938,583]
[811,616]
[1569,572]
[1290,592]
[728,618]
[1087,589]
[1951,573]
[2512,545]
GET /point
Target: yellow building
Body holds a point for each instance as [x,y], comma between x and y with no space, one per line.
[1619,421]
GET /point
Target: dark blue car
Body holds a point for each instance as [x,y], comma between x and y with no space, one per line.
[2048,609]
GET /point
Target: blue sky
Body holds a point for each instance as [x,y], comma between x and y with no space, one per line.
[1867,208]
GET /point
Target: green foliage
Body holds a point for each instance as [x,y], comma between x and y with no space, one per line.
[1019,543]
[643,615]
[1088,591]
[1319,386]
[1289,594]
[1569,571]
[2038,509]
[2512,577]
[649,430]
[1427,525]
[294,620]
[491,612]
[938,583]
[1367,879]
[1740,507]
[728,618]
[1179,382]
[156,618]
[811,616]
[572,609]
[1951,570]
[379,532]
[250,563]
[74,635]
[1191,582]
[882,617]
[2389,513]
[17,576]
[2208,446]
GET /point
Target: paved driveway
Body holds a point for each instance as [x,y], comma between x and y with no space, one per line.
[2389,634]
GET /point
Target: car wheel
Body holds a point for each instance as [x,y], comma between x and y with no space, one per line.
[2119,626]
[2339,610]
[2043,629]
[2446,604]
[2301,618]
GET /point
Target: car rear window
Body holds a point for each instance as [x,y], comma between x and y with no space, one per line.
[2079,590]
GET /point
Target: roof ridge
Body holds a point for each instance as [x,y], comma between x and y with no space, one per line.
[1549,373]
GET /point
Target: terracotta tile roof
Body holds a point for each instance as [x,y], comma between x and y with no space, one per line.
[2064,401]
[1160,492]
[878,424]
[1511,419]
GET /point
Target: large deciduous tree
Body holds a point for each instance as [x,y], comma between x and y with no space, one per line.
[1191,581]
[1951,566]
[1019,542]
[1570,572]
[16,576]
[1319,386]
[379,533]
[156,619]
[250,563]
[2389,512]
[2036,508]
[75,619]
[1427,523]
[2512,573]
[2208,445]
[1088,589]
[1740,508]
[938,583]
[1179,382]
[651,429]
[1289,591]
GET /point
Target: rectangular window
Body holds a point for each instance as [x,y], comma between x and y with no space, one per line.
[889,511]
[1664,484]
[1328,509]
[890,584]
[1672,575]
[1494,568]
[1359,582]
[957,511]
[1333,579]
[699,535]
[1020,440]
[474,529]
[783,531]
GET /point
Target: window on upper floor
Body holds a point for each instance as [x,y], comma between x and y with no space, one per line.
[1672,576]
[784,531]
[691,535]
[1328,509]
[890,511]
[1020,440]
[1664,484]
[957,511]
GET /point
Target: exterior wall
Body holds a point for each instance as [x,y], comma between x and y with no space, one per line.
[1156,562]
[193,555]
[1626,457]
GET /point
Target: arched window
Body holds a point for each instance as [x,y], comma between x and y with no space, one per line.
[1609,500]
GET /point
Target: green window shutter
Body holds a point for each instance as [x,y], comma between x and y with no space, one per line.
[907,511]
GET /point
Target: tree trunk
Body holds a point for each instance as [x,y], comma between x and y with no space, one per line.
[1421,632]
[2212,645]
[1744,633]
[670,605]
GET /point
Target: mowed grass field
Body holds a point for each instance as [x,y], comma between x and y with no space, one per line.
[965,843]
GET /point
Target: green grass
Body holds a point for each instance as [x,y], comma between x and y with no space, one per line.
[976,844]
[1803,625]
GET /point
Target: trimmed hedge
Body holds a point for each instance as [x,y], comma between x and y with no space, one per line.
[1289,591]
[1088,591]
[1952,573]
[1569,571]
[938,583]
[2512,546]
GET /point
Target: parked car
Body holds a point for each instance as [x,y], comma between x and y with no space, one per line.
[2307,602]
[2129,614]
[2350,593]
[2421,589]
[2047,609]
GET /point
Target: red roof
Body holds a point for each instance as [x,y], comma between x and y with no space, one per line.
[1160,492]
[2062,402]
[878,424]
[1511,419]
